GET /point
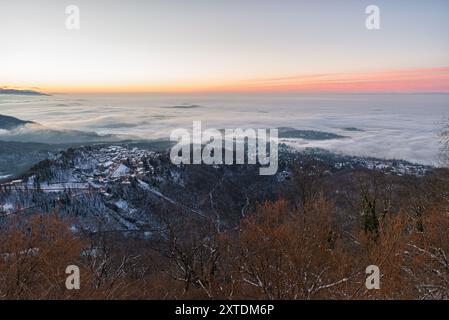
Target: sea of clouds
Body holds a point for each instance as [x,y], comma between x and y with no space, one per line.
[394,126]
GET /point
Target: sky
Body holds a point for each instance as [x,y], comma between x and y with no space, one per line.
[199,45]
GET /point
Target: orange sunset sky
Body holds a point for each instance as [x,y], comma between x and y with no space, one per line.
[221,46]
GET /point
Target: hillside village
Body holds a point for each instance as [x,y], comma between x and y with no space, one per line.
[103,168]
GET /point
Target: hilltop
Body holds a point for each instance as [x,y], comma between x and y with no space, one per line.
[10,123]
[22,92]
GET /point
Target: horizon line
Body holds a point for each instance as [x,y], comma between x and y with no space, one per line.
[411,80]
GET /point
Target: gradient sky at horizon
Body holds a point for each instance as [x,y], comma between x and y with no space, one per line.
[199,45]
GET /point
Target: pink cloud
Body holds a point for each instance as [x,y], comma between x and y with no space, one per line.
[400,81]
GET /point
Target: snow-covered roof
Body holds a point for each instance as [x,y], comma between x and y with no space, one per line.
[108,164]
[121,171]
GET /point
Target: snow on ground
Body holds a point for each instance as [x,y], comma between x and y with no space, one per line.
[122,204]
[8,207]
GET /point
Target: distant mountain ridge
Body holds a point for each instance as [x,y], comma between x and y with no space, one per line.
[9,123]
[28,131]
[292,133]
[24,92]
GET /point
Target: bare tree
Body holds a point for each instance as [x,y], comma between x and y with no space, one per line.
[292,253]
[34,254]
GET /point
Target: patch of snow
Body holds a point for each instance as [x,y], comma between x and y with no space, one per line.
[122,204]
[108,164]
[5,176]
[144,185]
[8,207]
